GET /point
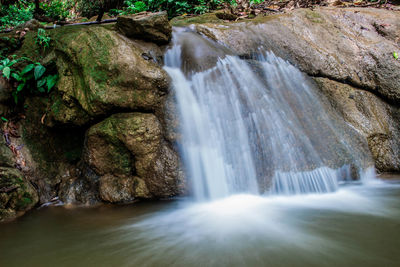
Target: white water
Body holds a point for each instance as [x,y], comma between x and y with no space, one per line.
[246,123]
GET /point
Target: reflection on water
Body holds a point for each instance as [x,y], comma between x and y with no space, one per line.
[356,226]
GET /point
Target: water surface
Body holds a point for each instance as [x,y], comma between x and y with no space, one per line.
[356,226]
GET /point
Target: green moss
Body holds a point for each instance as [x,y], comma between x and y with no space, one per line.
[29,48]
[24,202]
[314,16]
[55,108]
[185,21]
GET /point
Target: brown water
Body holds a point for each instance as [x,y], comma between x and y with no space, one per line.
[358,226]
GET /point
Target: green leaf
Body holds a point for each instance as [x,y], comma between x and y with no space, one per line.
[4,119]
[27,69]
[39,71]
[41,82]
[12,62]
[7,72]
[51,81]
[41,89]
[20,86]
[16,76]
[395,55]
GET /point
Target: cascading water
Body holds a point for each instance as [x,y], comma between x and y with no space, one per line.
[245,121]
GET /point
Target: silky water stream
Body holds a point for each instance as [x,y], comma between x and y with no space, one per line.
[277,179]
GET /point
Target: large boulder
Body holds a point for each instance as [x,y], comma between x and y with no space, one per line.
[353,45]
[377,121]
[152,27]
[102,71]
[132,159]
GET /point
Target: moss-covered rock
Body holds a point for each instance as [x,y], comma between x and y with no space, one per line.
[129,154]
[6,156]
[184,20]
[102,71]
[16,194]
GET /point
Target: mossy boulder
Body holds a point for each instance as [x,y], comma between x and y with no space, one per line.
[130,155]
[102,71]
[16,194]
[152,27]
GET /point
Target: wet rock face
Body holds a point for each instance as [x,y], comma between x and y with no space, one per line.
[129,154]
[352,44]
[152,27]
[377,121]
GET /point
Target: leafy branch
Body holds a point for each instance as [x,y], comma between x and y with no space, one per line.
[32,76]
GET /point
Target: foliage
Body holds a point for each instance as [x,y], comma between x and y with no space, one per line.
[42,39]
[88,8]
[57,9]
[395,55]
[18,13]
[173,8]
[8,45]
[23,10]
[34,76]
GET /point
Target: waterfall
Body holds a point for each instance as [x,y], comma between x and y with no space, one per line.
[254,126]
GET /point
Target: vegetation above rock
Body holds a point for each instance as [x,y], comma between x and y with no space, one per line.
[13,13]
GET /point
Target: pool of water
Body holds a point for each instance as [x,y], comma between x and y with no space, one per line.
[356,226]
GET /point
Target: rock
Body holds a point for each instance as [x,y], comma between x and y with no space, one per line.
[16,194]
[152,27]
[198,53]
[129,154]
[354,45]
[101,71]
[226,16]
[377,121]
[6,156]
[5,90]
[47,156]
[5,97]
[31,25]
